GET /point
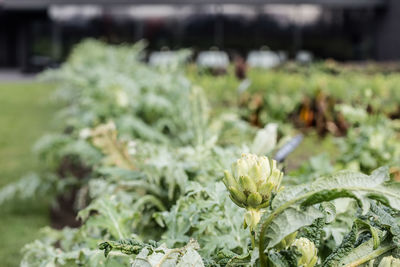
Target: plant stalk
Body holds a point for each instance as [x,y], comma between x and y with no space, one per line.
[374,254]
[253,239]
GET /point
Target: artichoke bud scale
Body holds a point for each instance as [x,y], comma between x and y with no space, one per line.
[236,202]
[254,199]
[229,180]
[238,195]
[247,184]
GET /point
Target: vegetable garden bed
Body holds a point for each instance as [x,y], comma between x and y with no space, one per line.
[147,155]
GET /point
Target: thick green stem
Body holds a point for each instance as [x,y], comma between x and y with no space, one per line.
[374,254]
[253,239]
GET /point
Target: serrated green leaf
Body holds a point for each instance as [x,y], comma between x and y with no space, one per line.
[239,260]
[126,246]
[388,194]
[328,195]
[290,221]
[109,217]
[342,184]
[374,232]
[190,258]
[343,249]
[165,257]
[380,217]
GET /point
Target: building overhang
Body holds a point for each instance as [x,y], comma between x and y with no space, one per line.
[44,4]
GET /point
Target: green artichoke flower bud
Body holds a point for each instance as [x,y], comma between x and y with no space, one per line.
[252,181]
[308,252]
[389,261]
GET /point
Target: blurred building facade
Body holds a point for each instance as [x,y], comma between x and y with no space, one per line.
[38,33]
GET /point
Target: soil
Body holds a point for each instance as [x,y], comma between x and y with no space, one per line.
[64,211]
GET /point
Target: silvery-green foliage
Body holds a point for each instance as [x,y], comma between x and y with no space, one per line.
[208,215]
[177,165]
[165,257]
[52,148]
[353,114]
[99,83]
[108,91]
[171,191]
[154,255]
[370,145]
[111,217]
[29,186]
[346,211]
[265,140]
[55,152]
[164,176]
[66,248]
[288,212]
[232,130]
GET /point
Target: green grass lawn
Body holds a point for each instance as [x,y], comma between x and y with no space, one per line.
[25,115]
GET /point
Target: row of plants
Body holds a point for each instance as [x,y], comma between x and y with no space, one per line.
[306,95]
[158,176]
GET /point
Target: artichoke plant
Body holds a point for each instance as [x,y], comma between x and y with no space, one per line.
[389,261]
[252,182]
[308,251]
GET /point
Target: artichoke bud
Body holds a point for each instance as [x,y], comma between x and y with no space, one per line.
[389,261]
[308,252]
[253,180]
[254,199]
[251,218]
